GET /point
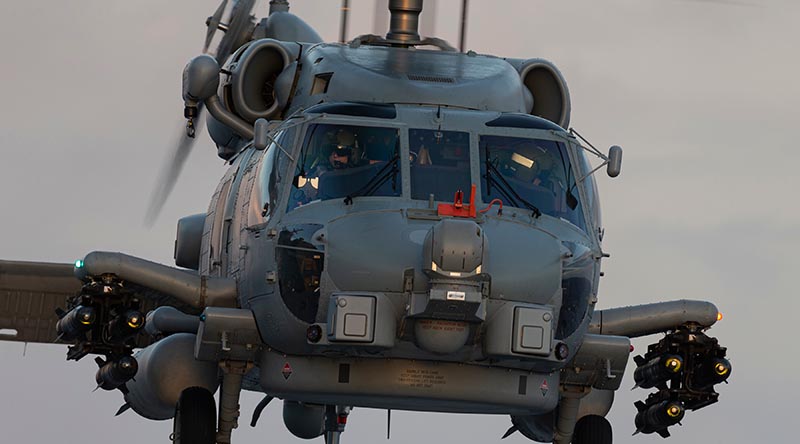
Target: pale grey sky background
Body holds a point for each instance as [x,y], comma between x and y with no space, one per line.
[702,95]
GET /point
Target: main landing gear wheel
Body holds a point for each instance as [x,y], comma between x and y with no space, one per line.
[592,429]
[195,418]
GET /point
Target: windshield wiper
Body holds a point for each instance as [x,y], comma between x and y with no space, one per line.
[388,171]
[506,189]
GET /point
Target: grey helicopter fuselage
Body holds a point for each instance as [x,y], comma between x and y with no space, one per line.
[363,260]
[399,228]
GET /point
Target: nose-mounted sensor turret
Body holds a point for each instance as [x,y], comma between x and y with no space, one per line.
[454,258]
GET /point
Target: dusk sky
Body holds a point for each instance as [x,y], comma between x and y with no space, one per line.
[703,96]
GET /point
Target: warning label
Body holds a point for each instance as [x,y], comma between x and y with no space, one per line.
[437,325]
[421,378]
[286,371]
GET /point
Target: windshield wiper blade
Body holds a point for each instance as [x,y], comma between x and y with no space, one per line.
[389,170]
[510,199]
[509,189]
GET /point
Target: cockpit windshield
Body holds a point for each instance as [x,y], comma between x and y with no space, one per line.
[339,161]
[532,174]
[439,163]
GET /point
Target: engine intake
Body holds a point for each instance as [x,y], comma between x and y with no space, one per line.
[260,78]
[549,95]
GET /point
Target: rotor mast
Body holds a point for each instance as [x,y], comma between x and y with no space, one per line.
[404,21]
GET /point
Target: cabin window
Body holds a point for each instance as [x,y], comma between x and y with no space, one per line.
[531,174]
[439,164]
[337,161]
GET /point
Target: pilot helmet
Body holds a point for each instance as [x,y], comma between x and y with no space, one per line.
[343,152]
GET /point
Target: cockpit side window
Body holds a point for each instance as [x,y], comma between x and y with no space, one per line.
[532,174]
[590,185]
[439,163]
[337,161]
[272,170]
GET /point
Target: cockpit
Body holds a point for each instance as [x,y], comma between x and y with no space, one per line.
[337,161]
[527,169]
[529,173]
[341,190]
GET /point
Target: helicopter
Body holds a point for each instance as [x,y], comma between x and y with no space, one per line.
[296,255]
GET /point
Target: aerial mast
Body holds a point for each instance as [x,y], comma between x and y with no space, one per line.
[343,22]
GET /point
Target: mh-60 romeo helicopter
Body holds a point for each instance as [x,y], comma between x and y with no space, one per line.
[400,228]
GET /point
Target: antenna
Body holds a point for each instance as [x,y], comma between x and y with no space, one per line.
[462,33]
[343,23]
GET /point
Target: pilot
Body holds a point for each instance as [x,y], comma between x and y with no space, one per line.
[543,172]
[344,151]
[337,151]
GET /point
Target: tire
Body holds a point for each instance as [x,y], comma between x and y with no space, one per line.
[195,418]
[592,429]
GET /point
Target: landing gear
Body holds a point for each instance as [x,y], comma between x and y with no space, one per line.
[592,429]
[195,417]
[335,421]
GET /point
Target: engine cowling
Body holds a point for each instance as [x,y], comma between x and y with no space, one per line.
[545,89]
[259,79]
[166,368]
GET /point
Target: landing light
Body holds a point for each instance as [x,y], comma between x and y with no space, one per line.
[719,316]
[314,333]
[562,351]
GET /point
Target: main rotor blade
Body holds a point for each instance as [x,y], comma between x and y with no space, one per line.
[213,24]
[172,169]
[239,30]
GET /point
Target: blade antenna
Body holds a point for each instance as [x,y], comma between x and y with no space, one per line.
[462,34]
[389,424]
